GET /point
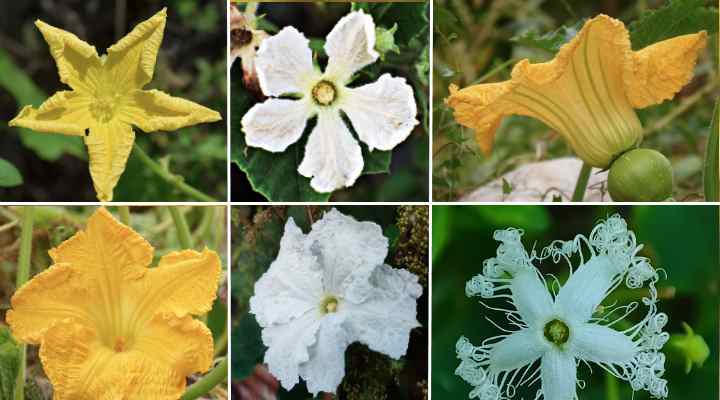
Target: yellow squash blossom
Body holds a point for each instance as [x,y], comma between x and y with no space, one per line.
[588,92]
[108,326]
[107,99]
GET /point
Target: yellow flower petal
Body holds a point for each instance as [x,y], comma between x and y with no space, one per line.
[51,296]
[131,61]
[660,70]
[183,343]
[153,110]
[64,112]
[586,93]
[185,282]
[109,146]
[105,251]
[82,368]
[77,62]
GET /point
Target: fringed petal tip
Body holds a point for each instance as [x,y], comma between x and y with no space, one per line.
[473,108]
[658,72]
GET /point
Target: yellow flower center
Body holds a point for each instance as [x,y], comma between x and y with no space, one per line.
[103,107]
[329,305]
[324,93]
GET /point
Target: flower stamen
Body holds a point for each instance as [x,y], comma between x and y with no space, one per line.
[324,93]
[557,332]
[329,305]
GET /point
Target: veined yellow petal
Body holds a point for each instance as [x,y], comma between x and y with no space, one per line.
[153,110]
[80,367]
[660,70]
[105,249]
[185,282]
[77,62]
[64,112]
[131,61]
[109,146]
[183,343]
[53,295]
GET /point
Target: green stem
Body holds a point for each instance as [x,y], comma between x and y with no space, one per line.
[207,382]
[181,226]
[612,389]
[23,273]
[582,182]
[175,180]
[124,212]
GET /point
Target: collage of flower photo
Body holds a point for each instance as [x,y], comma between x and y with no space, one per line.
[346,200]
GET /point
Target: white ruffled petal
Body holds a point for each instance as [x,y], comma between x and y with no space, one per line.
[517,350]
[333,158]
[600,344]
[384,321]
[558,375]
[292,286]
[348,251]
[586,288]
[284,64]
[289,347]
[382,113]
[276,123]
[350,46]
[531,297]
[325,369]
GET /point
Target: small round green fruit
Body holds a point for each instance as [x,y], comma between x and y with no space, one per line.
[641,175]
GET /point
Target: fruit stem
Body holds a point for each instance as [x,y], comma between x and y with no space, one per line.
[582,182]
[208,382]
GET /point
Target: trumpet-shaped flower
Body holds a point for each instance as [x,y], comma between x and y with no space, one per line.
[587,93]
[327,289]
[107,99]
[557,332]
[382,113]
[110,328]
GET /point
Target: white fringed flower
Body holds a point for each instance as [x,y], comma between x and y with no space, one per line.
[327,289]
[382,113]
[557,332]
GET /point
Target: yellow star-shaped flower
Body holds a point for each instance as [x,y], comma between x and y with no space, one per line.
[588,92]
[107,99]
[111,328]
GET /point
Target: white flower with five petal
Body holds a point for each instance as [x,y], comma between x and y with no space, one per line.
[382,113]
[559,331]
[327,289]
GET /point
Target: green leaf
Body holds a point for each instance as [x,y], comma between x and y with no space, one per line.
[711,175]
[9,175]
[676,17]
[9,363]
[247,347]
[47,146]
[551,41]
[411,18]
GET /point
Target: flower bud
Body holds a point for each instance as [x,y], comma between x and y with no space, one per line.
[691,346]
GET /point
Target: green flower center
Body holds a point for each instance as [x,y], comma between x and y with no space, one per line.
[557,332]
[329,305]
[324,93]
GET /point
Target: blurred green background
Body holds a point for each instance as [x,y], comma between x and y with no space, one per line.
[255,242]
[408,177]
[683,240]
[191,64]
[479,41]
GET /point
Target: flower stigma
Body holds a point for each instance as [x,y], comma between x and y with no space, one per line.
[103,108]
[557,332]
[120,344]
[241,37]
[324,93]
[329,305]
